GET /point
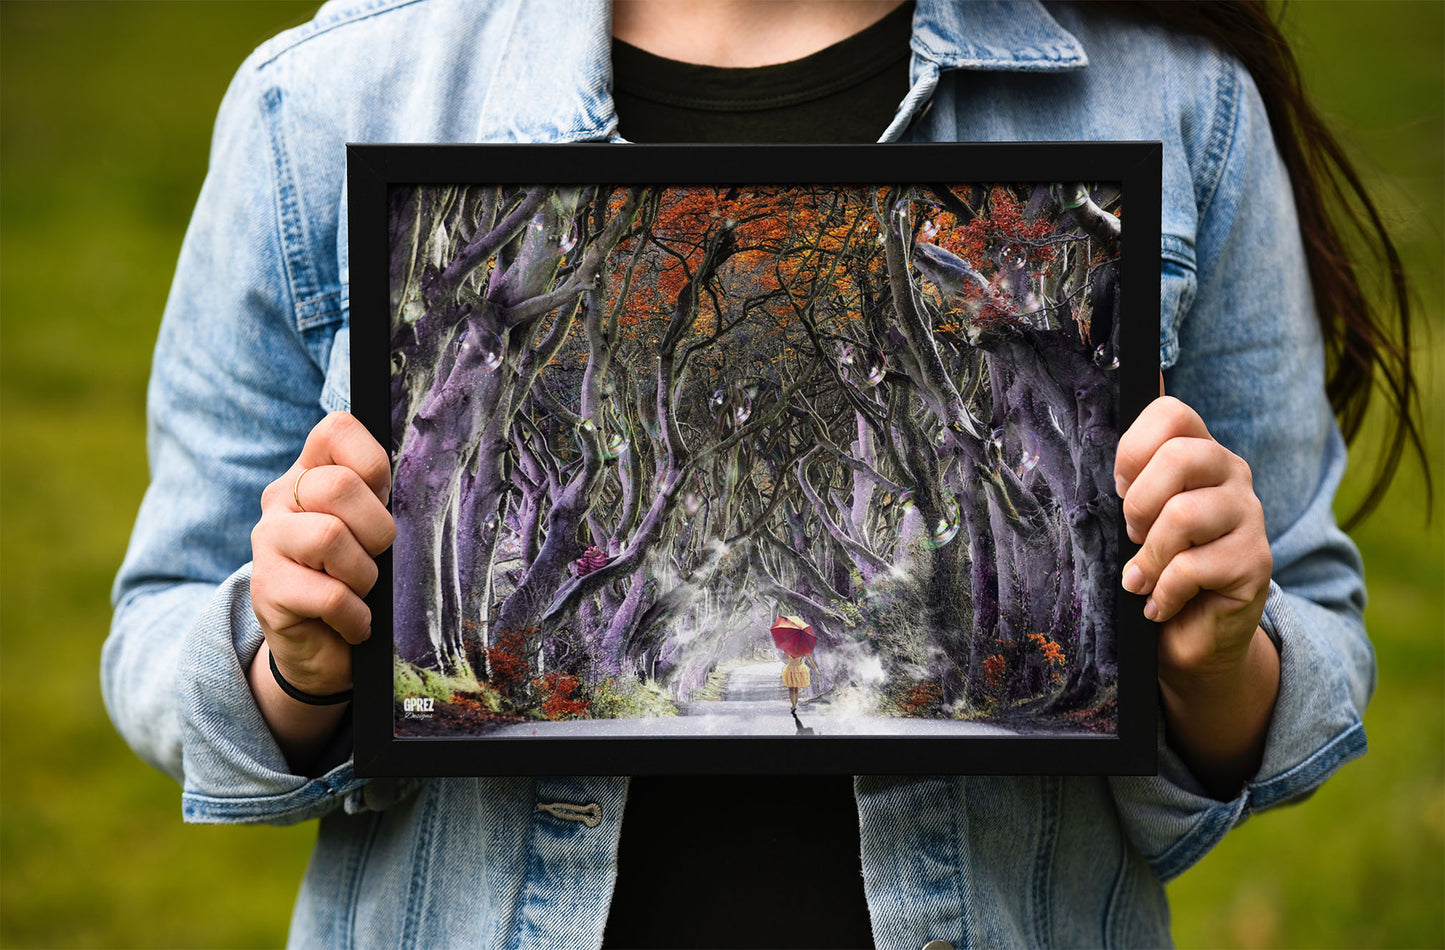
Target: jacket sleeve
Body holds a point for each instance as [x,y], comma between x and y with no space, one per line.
[236,385]
[1249,358]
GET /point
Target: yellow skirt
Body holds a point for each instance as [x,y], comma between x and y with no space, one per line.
[795,675]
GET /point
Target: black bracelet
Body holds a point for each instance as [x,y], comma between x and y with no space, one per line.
[301,696]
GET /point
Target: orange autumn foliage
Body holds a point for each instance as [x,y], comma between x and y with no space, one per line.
[1000,222]
[993,669]
[1051,651]
[921,699]
[558,702]
[791,248]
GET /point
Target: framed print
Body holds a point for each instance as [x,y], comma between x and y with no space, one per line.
[754,459]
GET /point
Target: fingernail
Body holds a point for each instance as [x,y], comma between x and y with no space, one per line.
[1150,610]
[1133,579]
[1118,486]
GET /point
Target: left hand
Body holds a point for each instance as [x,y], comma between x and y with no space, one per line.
[1205,562]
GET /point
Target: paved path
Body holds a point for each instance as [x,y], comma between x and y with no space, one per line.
[754,703]
[756,682]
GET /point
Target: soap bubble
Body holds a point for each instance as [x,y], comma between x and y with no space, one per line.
[876,368]
[946,528]
[491,346]
[616,445]
[743,410]
[943,532]
[1029,459]
[569,240]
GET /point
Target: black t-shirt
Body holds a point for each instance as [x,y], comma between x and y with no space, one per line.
[773,861]
[848,92]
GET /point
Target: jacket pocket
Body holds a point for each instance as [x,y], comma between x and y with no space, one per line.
[336,393]
[1177,284]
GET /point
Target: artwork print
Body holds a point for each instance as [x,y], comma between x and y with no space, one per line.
[754,460]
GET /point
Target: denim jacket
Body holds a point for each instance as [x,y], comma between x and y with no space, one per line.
[253,350]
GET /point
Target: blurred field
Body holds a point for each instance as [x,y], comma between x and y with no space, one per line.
[105,113]
[1362,863]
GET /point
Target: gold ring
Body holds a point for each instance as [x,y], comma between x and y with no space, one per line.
[296,489]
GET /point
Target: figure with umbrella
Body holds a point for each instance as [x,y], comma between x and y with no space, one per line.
[796,639]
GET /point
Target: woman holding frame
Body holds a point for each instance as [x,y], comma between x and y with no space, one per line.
[1265,668]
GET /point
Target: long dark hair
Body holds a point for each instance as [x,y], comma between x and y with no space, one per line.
[1367,344]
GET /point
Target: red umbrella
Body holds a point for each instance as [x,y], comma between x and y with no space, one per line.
[793,636]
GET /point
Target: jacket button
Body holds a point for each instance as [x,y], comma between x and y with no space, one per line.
[938,945]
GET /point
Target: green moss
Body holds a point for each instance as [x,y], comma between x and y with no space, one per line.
[409,681]
[627,697]
[712,688]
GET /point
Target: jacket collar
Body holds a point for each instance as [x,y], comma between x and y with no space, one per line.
[568,96]
[1017,36]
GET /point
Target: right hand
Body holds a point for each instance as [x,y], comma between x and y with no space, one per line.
[313,563]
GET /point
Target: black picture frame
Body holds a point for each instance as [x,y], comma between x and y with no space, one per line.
[374,170]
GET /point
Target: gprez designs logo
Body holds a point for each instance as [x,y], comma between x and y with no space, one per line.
[418,707]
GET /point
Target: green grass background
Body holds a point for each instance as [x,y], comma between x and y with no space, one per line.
[105,115]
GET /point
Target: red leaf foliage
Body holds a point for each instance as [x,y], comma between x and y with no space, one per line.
[508,659]
[558,689]
[993,669]
[920,699]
